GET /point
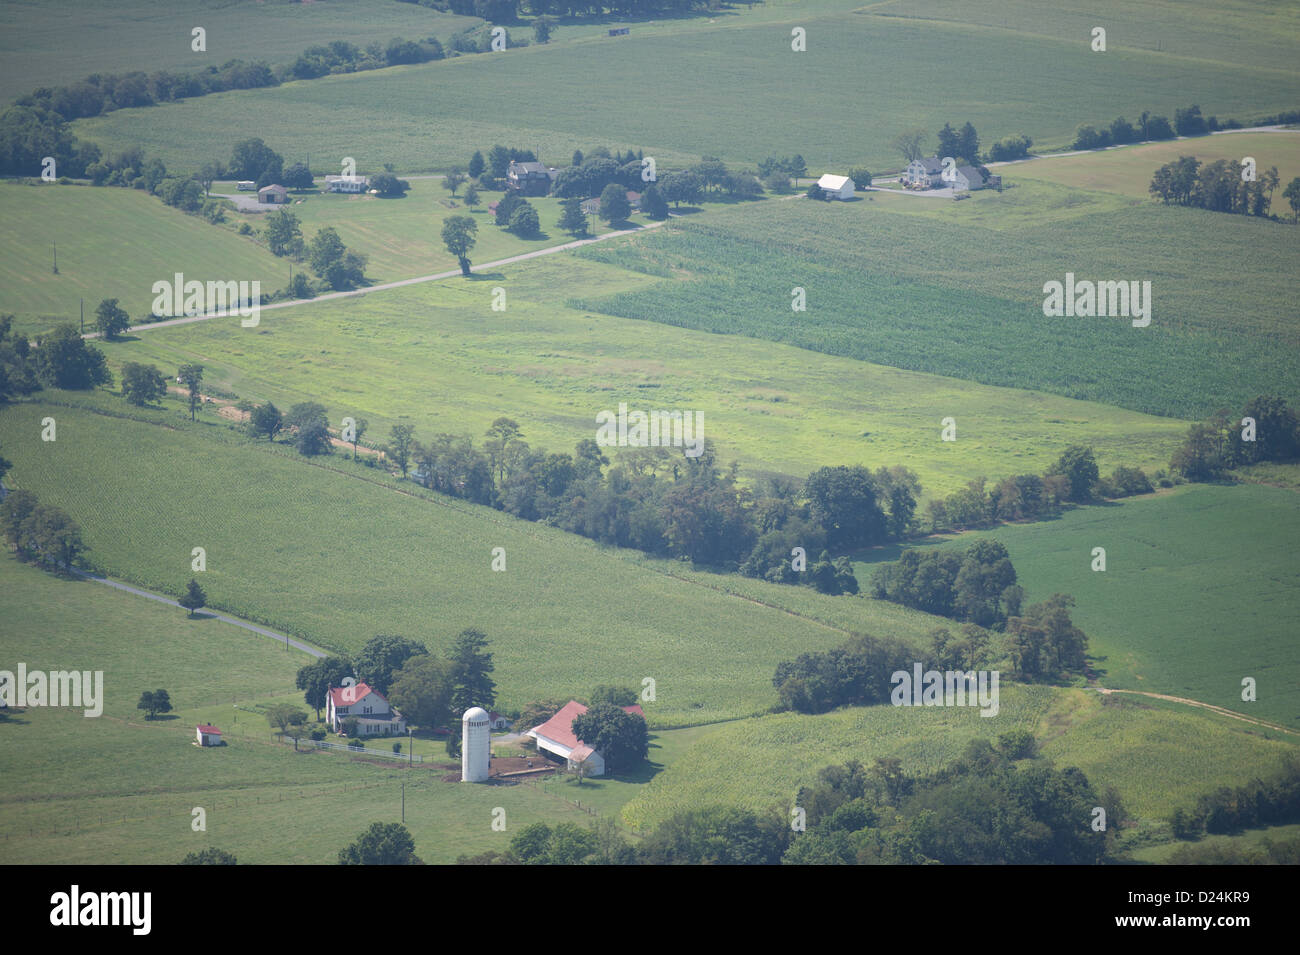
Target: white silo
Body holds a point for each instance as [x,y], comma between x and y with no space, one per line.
[475,744]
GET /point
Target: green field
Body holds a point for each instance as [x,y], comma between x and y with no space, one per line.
[336,553]
[1200,590]
[1134,747]
[1128,171]
[403,237]
[754,102]
[957,289]
[437,354]
[112,243]
[146,35]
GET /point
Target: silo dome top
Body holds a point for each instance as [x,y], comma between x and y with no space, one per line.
[475,714]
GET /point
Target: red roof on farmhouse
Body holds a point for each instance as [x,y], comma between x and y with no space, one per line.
[210,730]
[559,728]
[359,692]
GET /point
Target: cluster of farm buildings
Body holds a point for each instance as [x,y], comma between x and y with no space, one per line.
[375,716]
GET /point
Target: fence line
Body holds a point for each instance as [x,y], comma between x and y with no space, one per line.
[325,744]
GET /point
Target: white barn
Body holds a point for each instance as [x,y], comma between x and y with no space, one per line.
[837,187]
[555,737]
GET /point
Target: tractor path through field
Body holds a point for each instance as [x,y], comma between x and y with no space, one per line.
[279,637]
[578,243]
[1207,706]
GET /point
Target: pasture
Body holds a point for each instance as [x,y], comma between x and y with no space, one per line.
[438,357]
[1200,590]
[754,101]
[112,243]
[957,289]
[149,36]
[333,552]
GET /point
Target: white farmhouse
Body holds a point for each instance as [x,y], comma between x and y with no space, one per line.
[837,187]
[555,738]
[355,184]
[374,715]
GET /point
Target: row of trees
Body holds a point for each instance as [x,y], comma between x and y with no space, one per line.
[1267,430]
[334,263]
[1039,644]
[1188,121]
[1256,804]
[1218,187]
[1073,478]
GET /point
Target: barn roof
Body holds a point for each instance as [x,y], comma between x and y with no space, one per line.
[559,728]
[834,183]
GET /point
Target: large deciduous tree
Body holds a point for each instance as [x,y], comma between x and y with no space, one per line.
[382,656]
[458,236]
[142,384]
[619,736]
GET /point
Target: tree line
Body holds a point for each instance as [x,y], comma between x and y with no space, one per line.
[1040,644]
[40,533]
[1219,187]
[869,815]
[1253,805]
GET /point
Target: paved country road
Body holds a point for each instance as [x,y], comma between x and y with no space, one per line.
[551,250]
[278,637]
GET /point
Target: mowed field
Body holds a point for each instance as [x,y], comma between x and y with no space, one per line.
[149,36]
[438,357]
[732,89]
[957,289]
[1128,170]
[1201,589]
[112,243]
[336,554]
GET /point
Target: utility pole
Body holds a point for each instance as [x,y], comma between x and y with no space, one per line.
[403,800]
[83,316]
[56,258]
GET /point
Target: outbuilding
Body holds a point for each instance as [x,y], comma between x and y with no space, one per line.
[208,735]
[837,187]
[555,738]
[274,194]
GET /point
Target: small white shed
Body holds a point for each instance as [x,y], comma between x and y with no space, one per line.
[837,187]
[208,735]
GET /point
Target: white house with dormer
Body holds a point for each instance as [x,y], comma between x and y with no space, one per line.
[374,714]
